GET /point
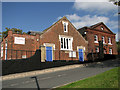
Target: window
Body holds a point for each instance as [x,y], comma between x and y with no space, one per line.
[95,38]
[102,28]
[97,49]
[72,54]
[61,42]
[103,39]
[110,50]
[109,40]
[66,43]
[65,26]
[2,50]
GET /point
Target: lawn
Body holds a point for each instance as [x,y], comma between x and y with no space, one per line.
[108,79]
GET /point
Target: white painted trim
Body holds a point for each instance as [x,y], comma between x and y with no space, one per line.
[49,44]
[6,51]
[95,41]
[63,22]
[69,43]
[109,50]
[110,44]
[83,48]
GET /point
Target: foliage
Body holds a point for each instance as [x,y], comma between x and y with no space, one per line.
[15,30]
[116,2]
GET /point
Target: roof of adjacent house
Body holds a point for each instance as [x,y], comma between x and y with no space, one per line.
[94,26]
[34,32]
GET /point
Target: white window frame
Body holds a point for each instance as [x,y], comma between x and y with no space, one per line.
[65,23]
[1,50]
[72,54]
[102,28]
[103,39]
[70,41]
[110,50]
[95,36]
[97,49]
[109,40]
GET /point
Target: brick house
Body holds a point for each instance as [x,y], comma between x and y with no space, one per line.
[96,33]
[17,46]
[61,41]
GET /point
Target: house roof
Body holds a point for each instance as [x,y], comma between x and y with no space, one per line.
[54,24]
[95,25]
[34,32]
[38,32]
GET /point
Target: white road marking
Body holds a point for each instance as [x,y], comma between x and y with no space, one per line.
[45,78]
[14,84]
[61,75]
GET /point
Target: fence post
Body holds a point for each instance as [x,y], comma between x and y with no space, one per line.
[11,53]
[16,54]
[59,54]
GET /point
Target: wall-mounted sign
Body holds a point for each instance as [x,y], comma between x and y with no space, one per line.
[19,40]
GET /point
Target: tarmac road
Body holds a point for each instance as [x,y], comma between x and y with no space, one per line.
[56,79]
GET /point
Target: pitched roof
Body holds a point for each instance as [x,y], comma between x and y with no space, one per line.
[94,26]
[54,24]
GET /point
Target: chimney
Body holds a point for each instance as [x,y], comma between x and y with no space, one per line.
[10,33]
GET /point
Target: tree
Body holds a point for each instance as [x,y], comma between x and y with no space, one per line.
[15,30]
[116,2]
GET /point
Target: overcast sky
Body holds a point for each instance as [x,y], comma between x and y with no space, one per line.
[38,16]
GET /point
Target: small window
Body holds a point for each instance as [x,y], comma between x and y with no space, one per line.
[102,28]
[72,54]
[95,38]
[109,40]
[65,29]
[103,39]
[65,26]
[2,50]
[97,49]
[110,50]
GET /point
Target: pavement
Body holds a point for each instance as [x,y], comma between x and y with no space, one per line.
[58,76]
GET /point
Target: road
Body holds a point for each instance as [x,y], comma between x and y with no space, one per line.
[55,79]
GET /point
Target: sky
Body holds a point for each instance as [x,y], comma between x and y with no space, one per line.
[37,16]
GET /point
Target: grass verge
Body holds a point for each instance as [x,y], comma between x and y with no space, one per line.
[108,79]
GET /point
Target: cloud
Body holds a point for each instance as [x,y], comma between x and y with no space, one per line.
[117,36]
[98,6]
[113,24]
[86,20]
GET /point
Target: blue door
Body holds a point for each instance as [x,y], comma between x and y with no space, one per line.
[81,56]
[48,53]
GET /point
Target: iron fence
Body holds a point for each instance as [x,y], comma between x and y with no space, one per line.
[11,54]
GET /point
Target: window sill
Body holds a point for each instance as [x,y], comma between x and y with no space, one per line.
[109,44]
[95,41]
[66,49]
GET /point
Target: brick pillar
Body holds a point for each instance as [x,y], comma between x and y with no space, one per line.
[37,41]
[10,43]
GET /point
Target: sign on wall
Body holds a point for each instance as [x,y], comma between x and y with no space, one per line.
[19,40]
